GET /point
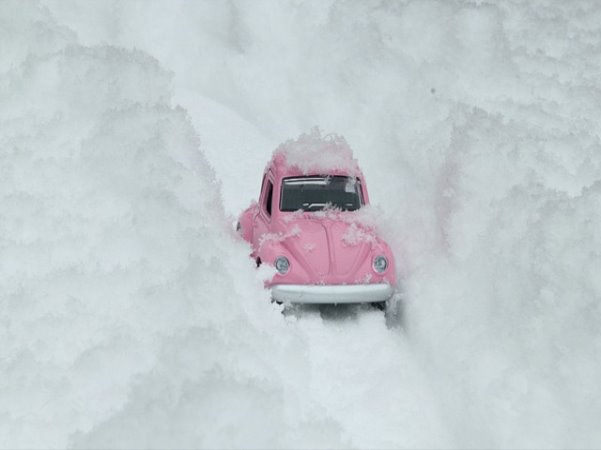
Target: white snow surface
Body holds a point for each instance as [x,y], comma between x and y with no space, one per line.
[313,154]
[133,132]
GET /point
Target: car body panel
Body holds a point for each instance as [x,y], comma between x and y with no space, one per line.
[330,247]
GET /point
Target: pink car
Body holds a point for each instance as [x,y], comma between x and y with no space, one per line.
[310,225]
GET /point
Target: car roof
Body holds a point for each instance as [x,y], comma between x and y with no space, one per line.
[313,154]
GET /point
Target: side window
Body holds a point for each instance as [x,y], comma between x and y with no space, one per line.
[269,197]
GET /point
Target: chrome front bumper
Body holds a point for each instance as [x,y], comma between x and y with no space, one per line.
[339,293]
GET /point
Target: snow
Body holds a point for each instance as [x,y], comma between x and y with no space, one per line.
[268,238]
[355,234]
[133,132]
[313,154]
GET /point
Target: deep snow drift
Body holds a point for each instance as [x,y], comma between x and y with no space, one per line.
[130,314]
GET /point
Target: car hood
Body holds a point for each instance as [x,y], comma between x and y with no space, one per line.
[330,250]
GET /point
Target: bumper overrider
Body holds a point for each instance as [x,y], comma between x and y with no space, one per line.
[339,293]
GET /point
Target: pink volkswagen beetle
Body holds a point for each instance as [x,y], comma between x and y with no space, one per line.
[311,224]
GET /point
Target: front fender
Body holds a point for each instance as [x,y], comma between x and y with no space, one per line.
[270,250]
[245,222]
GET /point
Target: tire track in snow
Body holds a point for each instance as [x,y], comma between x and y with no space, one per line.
[366,377]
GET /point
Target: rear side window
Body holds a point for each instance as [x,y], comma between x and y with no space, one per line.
[268,197]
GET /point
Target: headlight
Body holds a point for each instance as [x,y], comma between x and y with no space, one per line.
[282,265]
[380,264]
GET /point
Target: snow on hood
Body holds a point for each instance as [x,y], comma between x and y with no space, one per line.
[362,224]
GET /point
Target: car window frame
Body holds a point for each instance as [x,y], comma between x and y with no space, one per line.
[360,190]
[268,180]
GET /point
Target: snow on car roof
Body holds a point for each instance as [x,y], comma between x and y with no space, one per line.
[313,154]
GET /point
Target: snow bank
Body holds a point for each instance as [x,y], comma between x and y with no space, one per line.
[475,125]
[131,316]
[506,313]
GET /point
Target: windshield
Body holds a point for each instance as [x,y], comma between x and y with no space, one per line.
[315,193]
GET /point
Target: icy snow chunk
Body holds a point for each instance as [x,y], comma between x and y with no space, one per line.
[354,235]
[308,247]
[313,154]
[294,231]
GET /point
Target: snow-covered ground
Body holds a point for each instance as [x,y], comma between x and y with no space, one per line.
[133,132]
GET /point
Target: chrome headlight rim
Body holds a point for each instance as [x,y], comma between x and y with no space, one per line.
[282,265]
[380,264]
